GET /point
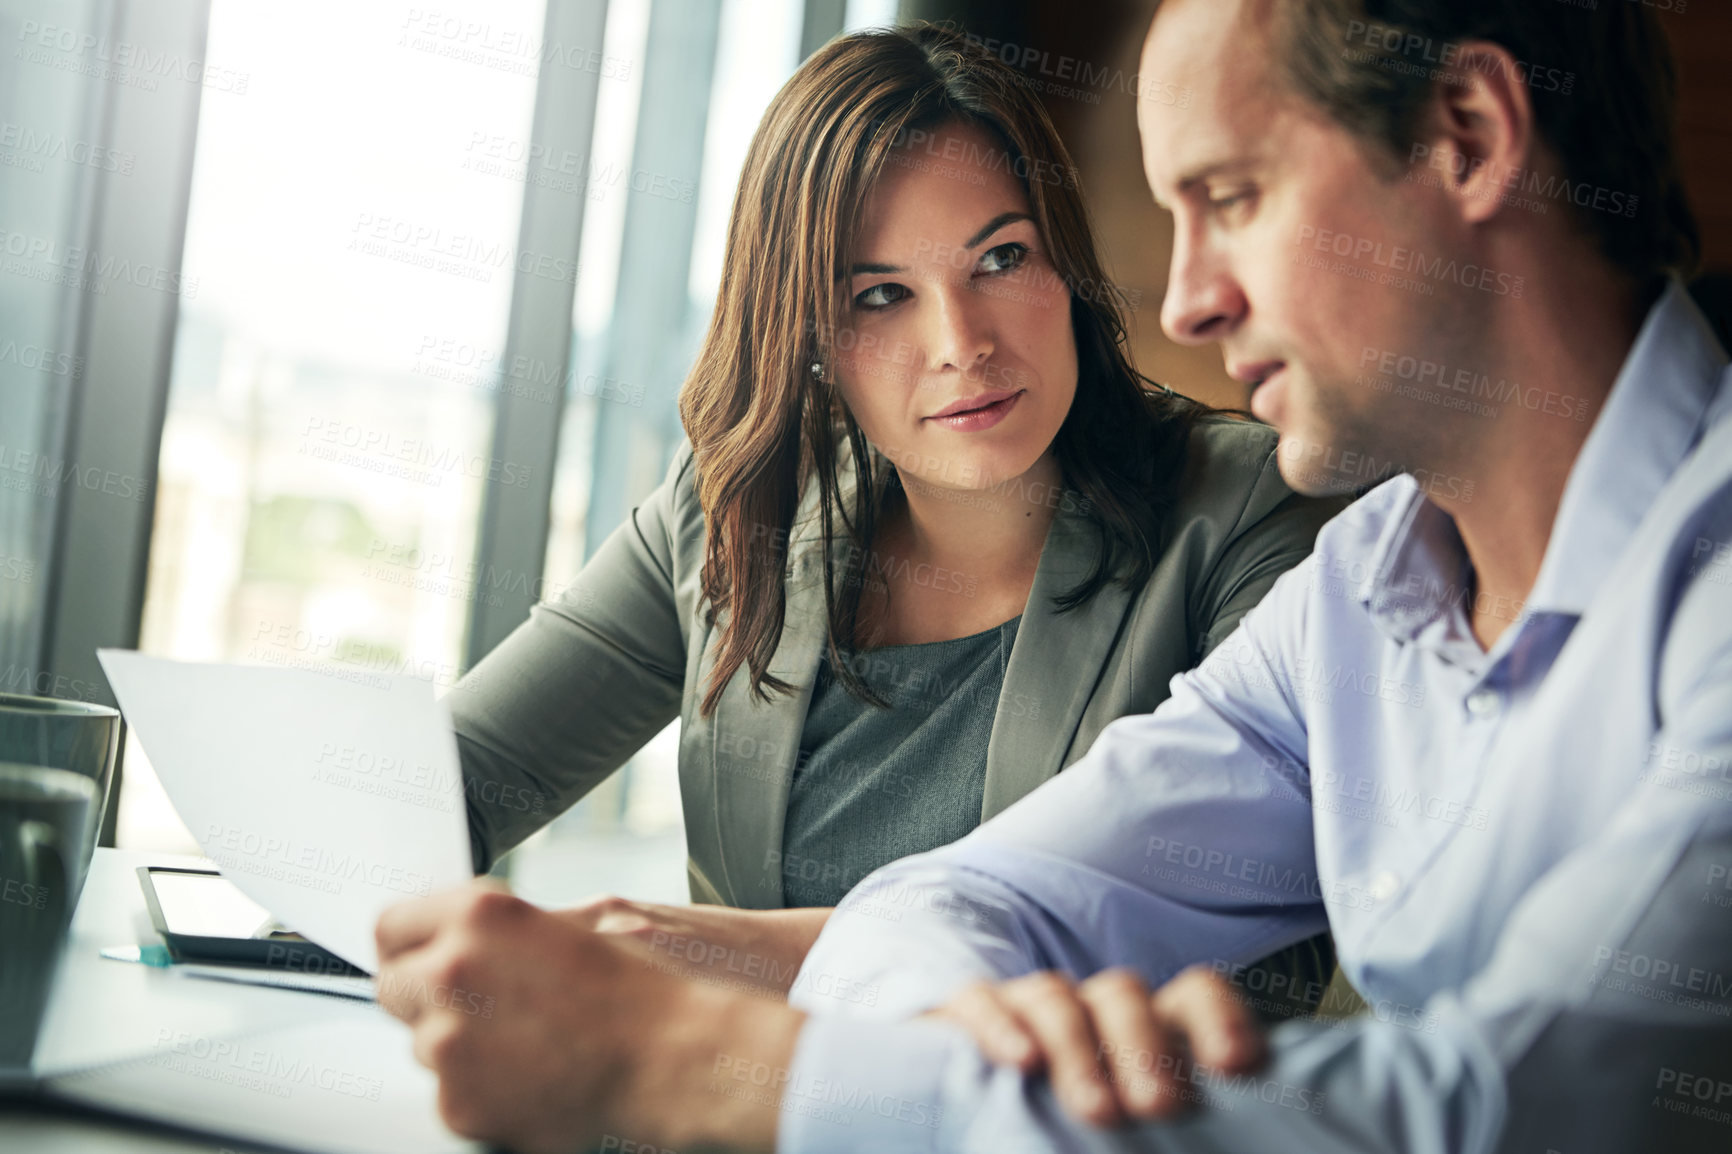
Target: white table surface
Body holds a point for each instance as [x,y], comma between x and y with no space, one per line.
[104,1011]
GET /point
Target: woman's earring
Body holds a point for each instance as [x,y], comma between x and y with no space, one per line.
[817,370]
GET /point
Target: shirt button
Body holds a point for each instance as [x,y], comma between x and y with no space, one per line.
[1385,885]
[1484,702]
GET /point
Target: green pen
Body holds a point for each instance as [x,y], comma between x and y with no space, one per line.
[153,955]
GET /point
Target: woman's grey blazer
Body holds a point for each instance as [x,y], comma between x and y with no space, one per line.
[591,676]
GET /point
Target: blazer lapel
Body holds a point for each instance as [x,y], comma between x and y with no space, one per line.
[754,745]
[1054,666]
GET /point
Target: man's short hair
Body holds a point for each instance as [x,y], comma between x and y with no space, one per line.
[1603,85]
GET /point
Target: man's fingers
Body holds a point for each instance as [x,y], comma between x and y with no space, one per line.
[412,924]
[1049,1004]
[1133,1041]
[1222,1031]
[406,934]
[1108,1045]
[435,1040]
[1003,1037]
[394,988]
[413,983]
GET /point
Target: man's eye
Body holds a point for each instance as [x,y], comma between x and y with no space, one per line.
[1003,258]
[880,296]
[1230,200]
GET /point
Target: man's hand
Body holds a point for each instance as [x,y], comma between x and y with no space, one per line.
[1113,1051]
[547,1036]
[737,948]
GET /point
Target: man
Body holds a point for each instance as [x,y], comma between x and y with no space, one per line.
[1484,734]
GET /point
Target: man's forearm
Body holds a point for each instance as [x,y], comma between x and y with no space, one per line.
[712,1078]
[799,931]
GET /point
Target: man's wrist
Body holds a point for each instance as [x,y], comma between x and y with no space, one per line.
[795,932]
[712,1075]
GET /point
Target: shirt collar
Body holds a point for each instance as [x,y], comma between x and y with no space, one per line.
[1652,418]
[1418,566]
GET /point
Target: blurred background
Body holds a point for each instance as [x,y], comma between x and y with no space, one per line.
[336,335]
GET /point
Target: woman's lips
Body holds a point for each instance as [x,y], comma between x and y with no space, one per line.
[982,418]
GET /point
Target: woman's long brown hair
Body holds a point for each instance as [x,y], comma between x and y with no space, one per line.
[763,427]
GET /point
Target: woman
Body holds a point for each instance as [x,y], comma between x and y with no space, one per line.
[932,532]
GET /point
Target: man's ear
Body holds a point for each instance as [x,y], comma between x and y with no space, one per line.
[1482,129]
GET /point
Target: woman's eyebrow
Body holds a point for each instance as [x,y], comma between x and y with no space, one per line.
[994,225]
[991,227]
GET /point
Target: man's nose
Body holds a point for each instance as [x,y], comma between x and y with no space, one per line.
[1203,301]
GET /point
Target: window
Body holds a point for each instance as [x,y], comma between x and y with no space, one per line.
[50,158]
[330,406]
[628,835]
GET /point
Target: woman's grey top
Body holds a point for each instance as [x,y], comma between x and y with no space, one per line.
[594,674]
[876,783]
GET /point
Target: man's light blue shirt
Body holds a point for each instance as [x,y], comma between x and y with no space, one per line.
[1525,855]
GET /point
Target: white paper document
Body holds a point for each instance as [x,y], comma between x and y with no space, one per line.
[324,800]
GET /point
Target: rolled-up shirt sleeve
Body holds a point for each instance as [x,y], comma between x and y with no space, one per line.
[1183,835]
[1554,1057]
[1602,1020]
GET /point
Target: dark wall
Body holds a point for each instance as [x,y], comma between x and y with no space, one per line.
[1702,43]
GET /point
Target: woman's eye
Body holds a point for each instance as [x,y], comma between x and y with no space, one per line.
[1230,200]
[1003,258]
[880,296]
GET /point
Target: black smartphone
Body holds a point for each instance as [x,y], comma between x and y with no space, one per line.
[204,917]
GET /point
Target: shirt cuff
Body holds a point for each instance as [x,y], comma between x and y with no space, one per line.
[878,1086]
